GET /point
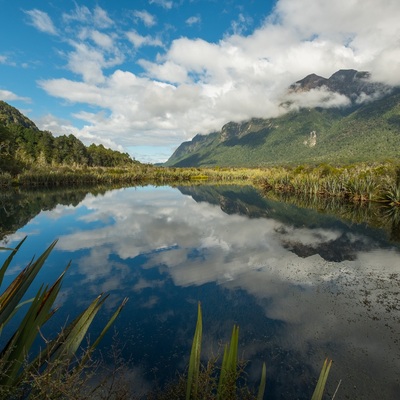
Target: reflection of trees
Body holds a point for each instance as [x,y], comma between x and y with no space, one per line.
[392,215]
[18,207]
[247,200]
[372,214]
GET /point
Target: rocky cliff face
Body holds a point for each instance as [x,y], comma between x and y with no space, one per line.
[367,129]
[348,82]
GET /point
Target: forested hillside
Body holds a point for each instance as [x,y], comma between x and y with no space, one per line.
[22,144]
[367,129]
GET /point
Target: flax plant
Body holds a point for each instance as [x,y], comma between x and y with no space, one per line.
[15,370]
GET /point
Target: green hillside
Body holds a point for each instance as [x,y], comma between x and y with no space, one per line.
[23,145]
[364,132]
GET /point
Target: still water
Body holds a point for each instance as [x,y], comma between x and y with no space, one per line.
[301,285]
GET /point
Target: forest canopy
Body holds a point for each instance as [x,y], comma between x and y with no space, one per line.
[23,145]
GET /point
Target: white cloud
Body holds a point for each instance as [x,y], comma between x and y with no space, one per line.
[101,39]
[82,14]
[239,77]
[167,4]
[241,24]
[89,61]
[6,95]
[193,20]
[41,21]
[5,60]
[320,97]
[101,18]
[148,19]
[139,40]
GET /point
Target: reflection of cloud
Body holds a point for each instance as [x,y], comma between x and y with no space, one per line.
[349,308]
[309,236]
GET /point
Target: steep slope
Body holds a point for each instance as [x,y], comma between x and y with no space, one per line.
[11,116]
[364,131]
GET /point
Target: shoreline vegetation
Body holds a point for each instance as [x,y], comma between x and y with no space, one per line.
[357,183]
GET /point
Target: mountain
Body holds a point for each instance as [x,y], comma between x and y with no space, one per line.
[11,116]
[348,82]
[366,129]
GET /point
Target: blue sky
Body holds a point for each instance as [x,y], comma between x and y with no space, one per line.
[143,76]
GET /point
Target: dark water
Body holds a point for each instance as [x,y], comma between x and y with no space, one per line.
[301,285]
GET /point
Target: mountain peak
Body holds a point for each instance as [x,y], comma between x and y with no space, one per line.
[366,130]
[348,82]
[311,81]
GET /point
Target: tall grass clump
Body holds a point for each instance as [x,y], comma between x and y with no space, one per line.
[221,383]
[22,376]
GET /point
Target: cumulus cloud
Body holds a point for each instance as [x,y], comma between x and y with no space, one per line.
[138,40]
[101,39]
[320,97]
[194,86]
[7,95]
[41,21]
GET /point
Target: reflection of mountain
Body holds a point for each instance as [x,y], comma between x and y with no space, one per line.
[242,200]
[303,212]
[267,273]
[18,207]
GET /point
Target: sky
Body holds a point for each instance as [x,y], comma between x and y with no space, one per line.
[142,76]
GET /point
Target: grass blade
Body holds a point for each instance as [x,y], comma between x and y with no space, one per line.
[323,376]
[194,361]
[9,259]
[228,376]
[103,332]
[16,290]
[261,388]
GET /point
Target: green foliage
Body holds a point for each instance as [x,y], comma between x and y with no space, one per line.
[15,370]
[23,145]
[367,132]
[194,361]
[229,373]
[323,376]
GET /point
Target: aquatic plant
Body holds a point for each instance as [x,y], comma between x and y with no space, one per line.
[17,373]
[229,372]
[391,194]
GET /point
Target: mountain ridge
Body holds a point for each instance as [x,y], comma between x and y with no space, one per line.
[367,129]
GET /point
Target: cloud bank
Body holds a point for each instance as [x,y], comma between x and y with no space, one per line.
[194,86]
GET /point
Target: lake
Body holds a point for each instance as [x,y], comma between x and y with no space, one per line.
[302,284]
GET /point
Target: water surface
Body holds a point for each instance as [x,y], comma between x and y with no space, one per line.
[301,285]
